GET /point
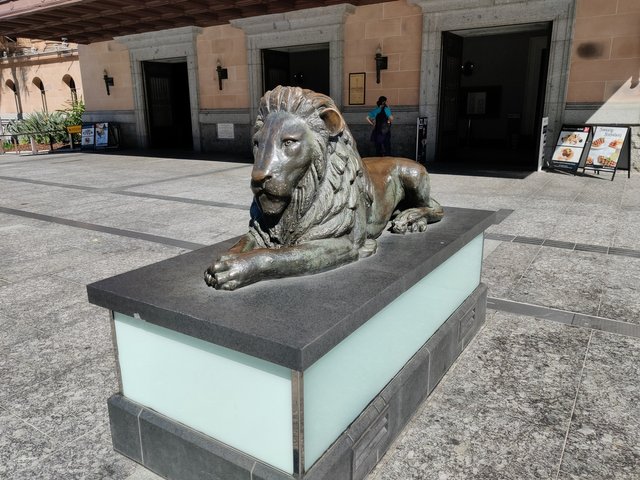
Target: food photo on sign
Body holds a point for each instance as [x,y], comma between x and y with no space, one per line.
[566,154]
[574,139]
[570,146]
[605,147]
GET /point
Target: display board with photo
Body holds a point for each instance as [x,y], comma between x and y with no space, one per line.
[606,146]
[570,147]
[102,134]
[88,135]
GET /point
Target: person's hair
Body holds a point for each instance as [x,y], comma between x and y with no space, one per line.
[381,100]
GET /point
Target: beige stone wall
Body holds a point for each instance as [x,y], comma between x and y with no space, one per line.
[397,28]
[113,57]
[50,69]
[605,60]
[227,44]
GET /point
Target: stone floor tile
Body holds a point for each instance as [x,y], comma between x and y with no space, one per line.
[621,297]
[141,473]
[71,257]
[523,366]
[504,267]
[35,360]
[626,235]
[67,406]
[501,412]
[113,264]
[566,280]
[591,228]
[604,439]
[489,247]
[527,221]
[90,457]
[21,446]
[38,296]
[470,444]
[13,332]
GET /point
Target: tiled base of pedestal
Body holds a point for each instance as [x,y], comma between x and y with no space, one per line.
[177,452]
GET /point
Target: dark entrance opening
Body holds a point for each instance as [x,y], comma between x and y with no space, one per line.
[168,104]
[492,91]
[305,66]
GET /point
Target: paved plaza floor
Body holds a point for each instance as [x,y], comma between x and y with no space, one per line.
[549,388]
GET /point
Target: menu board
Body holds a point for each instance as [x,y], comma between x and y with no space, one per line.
[570,147]
[605,148]
[88,135]
[102,134]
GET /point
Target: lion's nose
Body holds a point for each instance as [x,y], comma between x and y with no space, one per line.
[259,178]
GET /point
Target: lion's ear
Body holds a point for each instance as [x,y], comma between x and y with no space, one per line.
[333,121]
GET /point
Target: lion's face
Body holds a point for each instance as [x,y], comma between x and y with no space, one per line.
[283,149]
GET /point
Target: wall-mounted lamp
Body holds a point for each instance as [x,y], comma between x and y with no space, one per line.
[222,74]
[381,63]
[108,82]
[467,68]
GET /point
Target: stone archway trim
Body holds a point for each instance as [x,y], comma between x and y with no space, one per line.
[302,27]
[451,15]
[163,45]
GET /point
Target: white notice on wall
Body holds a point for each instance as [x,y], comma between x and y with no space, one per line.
[225,131]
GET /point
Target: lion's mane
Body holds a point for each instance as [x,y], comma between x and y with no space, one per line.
[332,198]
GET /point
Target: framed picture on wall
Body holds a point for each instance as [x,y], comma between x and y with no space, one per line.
[480,102]
[357,82]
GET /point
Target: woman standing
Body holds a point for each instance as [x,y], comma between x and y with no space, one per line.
[380,118]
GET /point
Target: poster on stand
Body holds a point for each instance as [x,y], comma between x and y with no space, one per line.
[102,134]
[570,147]
[88,135]
[606,146]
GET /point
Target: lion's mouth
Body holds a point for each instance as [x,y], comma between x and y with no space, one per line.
[270,203]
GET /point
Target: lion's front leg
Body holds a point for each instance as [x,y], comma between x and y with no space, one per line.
[245,244]
[236,270]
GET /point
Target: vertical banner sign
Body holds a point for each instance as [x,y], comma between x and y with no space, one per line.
[88,135]
[102,134]
[543,141]
[421,140]
[570,147]
[606,146]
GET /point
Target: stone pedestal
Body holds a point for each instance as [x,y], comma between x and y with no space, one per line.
[309,377]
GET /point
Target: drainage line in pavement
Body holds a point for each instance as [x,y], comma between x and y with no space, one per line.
[99,228]
[582,247]
[565,316]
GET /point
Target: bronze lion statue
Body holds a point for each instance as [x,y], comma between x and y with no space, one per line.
[317,205]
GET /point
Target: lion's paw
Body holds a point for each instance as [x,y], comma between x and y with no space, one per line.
[210,278]
[412,220]
[369,248]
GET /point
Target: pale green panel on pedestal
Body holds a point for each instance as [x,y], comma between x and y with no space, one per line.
[240,400]
[341,384]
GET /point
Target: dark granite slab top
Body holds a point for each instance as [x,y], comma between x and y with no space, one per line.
[293,321]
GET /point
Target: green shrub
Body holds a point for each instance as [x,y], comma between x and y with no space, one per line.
[41,125]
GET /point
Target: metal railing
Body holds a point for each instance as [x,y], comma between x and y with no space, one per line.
[15,143]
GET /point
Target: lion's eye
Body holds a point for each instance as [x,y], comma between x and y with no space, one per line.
[288,142]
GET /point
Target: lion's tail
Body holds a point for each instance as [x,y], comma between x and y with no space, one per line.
[435,212]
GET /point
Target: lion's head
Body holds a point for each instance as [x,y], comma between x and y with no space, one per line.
[308,179]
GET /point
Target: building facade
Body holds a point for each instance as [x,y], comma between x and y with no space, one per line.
[483,73]
[37,76]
